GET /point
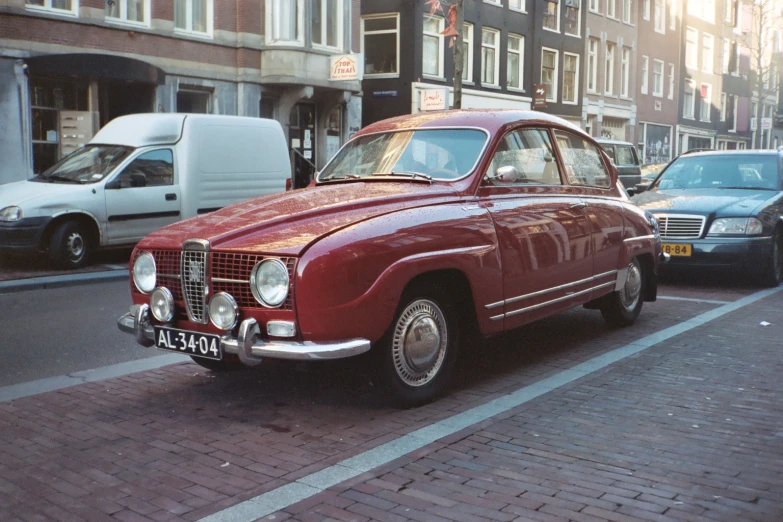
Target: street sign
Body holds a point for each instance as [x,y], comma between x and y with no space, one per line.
[766,123]
[539,96]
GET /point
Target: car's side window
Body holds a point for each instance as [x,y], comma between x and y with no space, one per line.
[151,169]
[582,161]
[624,156]
[524,157]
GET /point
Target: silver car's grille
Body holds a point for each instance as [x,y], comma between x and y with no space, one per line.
[193,274]
[680,227]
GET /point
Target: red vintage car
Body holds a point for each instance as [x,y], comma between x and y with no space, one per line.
[421,230]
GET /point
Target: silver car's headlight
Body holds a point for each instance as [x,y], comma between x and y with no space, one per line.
[144,273]
[162,304]
[11,214]
[269,282]
[736,226]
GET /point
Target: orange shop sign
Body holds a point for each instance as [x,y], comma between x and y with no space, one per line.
[345,67]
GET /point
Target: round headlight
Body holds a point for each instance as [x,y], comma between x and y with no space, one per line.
[144,273]
[269,282]
[162,304]
[223,311]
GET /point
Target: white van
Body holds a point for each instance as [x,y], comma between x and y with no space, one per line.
[139,173]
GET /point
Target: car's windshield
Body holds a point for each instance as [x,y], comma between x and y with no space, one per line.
[723,171]
[89,164]
[438,153]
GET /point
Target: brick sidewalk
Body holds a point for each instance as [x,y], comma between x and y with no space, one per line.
[686,430]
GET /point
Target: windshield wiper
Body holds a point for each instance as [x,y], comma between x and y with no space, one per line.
[405,174]
[55,177]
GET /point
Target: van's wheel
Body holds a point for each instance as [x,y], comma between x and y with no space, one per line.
[416,357]
[772,273]
[229,363]
[621,308]
[69,246]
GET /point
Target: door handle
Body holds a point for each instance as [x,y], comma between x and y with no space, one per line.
[579,205]
[171,197]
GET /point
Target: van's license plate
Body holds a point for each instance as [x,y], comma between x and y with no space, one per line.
[190,343]
[677,249]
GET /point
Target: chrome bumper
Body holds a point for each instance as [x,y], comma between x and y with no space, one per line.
[247,345]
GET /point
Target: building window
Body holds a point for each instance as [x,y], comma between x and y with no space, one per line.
[733,102]
[671,81]
[283,21]
[707,52]
[570,74]
[625,72]
[611,8]
[57,6]
[594,6]
[467,52]
[726,56]
[326,23]
[723,106]
[691,48]
[645,73]
[432,64]
[572,20]
[516,60]
[609,69]
[552,15]
[731,12]
[490,70]
[672,14]
[549,58]
[704,9]
[646,9]
[687,100]
[381,45]
[193,16]
[659,15]
[627,8]
[735,71]
[706,102]
[517,5]
[592,65]
[198,102]
[128,11]
[658,78]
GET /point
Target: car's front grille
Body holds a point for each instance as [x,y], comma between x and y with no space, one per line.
[194,284]
[231,274]
[680,226]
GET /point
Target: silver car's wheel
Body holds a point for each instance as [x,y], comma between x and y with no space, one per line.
[632,290]
[419,343]
[69,245]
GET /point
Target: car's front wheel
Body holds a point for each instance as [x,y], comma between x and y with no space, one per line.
[622,307]
[416,357]
[772,274]
[69,246]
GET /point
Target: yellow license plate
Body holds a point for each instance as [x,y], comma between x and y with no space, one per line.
[676,249]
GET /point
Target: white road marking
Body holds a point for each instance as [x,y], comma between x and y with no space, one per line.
[692,299]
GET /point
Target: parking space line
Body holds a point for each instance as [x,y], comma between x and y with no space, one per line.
[310,485]
[692,299]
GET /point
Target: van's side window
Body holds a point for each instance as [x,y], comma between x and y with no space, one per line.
[152,169]
[625,156]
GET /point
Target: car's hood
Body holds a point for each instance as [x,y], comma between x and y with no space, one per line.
[286,223]
[20,193]
[708,201]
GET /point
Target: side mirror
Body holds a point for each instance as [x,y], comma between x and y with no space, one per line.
[507,174]
[548,157]
[138,179]
[112,185]
[631,191]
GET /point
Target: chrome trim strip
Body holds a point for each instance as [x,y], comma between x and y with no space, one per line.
[548,290]
[559,299]
[169,276]
[200,245]
[222,280]
[247,346]
[637,238]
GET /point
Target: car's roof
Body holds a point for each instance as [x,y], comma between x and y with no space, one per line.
[489,119]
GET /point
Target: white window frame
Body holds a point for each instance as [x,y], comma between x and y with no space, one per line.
[557,17]
[659,16]
[578,33]
[555,74]
[645,74]
[673,14]
[594,6]
[592,65]
[467,38]
[723,106]
[522,5]
[47,7]
[324,26]
[627,9]
[497,3]
[708,10]
[657,84]
[625,73]
[692,59]
[646,9]
[496,73]
[521,54]
[576,80]
[708,104]
[123,18]
[611,9]
[609,68]
[273,21]
[691,114]
[396,31]
[671,82]
[441,24]
[707,58]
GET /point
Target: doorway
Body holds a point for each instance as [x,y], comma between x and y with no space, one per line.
[301,132]
[125,97]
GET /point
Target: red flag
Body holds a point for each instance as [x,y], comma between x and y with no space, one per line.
[434,6]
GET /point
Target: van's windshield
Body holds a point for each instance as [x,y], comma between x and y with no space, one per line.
[89,164]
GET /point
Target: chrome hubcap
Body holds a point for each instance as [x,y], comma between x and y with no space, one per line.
[629,295]
[75,246]
[419,343]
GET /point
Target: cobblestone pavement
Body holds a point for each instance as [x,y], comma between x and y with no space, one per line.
[688,429]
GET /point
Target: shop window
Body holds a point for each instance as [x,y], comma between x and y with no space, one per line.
[47,99]
[326,22]
[134,11]
[193,16]
[381,45]
[267,109]
[57,6]
[334,125]
[194,102]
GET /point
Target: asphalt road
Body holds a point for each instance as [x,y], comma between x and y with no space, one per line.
[52,332]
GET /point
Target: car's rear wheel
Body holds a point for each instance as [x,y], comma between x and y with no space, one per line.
[69,246]
[772,274]
[622,307]
[229,363]
[416,357]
